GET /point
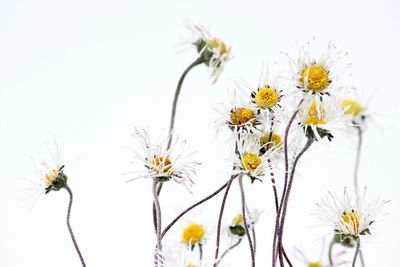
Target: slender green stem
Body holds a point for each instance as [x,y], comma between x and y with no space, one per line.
[356,253]
[246,227]
[69,226]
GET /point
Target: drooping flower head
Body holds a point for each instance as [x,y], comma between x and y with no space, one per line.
[213,51]
[349,218]
[51,169]
[162,164]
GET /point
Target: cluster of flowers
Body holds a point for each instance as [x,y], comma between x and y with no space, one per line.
[270,125]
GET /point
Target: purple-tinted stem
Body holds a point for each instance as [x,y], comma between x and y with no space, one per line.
[285,148]
[221,212]
[246,227]
[172,120]
[286,200]
[192,207]
[70,228]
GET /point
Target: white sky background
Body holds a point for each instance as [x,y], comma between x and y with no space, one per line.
[88,72]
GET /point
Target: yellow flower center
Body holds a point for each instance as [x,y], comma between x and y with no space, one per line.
[266,97]
[238,219]
[275,142]
[220,45]
[315,78]
[352,218]
[314,264]
[352,107]
[51,176]
[241,116]
[190,265]
[161,164]
[314,117]
[251,161]
[192,234]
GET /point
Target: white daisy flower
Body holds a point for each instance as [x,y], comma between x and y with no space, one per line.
[250,159]
[320,119]
[349,218]
[266,96]
[50,168]
[214,52]
[162,164]
[318,75]
[239,116]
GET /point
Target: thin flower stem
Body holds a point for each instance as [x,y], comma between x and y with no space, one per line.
[357,164]
[198,61]
[285,148]
[158,216]
[253,232]
[286,201]
[271,132]
[270,165]
[69,225]
[192,207]
[221,212]
[356,253]
[200,252]
[246,227]
[230,248]
[330,252]
[362,258]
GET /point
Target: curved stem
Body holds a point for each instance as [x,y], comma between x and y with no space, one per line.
[357,164]
[285,148]
[356,253]
[230,248]
[286,201]
[176,96]
[330,252]
[69,226]
[172,119]
[221,212]
[192,207]
[246,227]
[158,220]
[362,258]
